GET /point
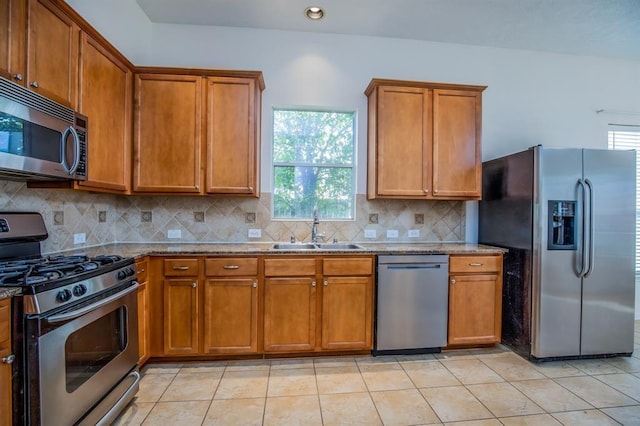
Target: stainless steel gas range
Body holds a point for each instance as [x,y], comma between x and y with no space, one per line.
[74,329]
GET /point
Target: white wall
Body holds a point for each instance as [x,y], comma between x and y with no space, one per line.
[532,97]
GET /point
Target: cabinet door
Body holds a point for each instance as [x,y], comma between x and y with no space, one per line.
[5,368]
[52,52]
[232,136]
[5,388]
[346,313]
[457,168]
[231,315]
[181,317]
[475,309]
[143,323]
[13,39]
[403,146]
[167,133]
[105,97]
[290,314]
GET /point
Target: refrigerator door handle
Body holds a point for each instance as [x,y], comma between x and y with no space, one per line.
[581,254]
[591,229]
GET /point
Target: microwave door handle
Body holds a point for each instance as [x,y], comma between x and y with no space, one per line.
[85,310]
[76,142]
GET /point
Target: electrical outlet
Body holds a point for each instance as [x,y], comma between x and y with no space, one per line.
[79,238]
[174,233]
[370,233]
[255,233]
[392,233]
[414,233]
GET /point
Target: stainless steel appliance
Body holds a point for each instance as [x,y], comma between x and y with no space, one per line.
[412,302]
[74,327]
[39,139]
[567,217]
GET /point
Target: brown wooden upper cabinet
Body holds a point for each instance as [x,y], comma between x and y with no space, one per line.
[106,86]
[424,140]
[176,110]
[39,44]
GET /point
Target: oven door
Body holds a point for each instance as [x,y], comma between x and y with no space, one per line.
[84,354]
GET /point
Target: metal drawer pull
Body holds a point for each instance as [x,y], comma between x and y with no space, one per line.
[194,285]
[180,268]
[255,284]
[34,84]
[313,283]
[326,283]
[453,281]
[475,264]
[9,359]
[231,267]
[17,77]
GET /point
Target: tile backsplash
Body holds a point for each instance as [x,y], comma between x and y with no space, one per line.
[111,218]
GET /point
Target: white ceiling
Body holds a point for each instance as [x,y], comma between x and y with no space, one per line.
[608,28]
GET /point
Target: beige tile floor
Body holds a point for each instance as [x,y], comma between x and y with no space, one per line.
[478,387]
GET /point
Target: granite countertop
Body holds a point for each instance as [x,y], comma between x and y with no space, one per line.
[163,249]
[9,292]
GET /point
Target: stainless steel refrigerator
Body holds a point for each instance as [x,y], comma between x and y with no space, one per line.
[567,217]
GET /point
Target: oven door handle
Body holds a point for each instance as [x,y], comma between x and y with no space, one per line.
[82,311]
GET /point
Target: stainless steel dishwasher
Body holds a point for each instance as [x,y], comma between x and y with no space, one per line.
[412,304]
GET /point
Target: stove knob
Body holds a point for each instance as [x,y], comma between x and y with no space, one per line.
[64,296]
[122,275]
[130,272]
[79,290]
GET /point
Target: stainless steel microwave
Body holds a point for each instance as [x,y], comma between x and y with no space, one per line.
[39,139]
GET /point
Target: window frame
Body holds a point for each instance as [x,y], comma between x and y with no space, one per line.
[353,166]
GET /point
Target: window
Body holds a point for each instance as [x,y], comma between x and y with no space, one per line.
[628,137]
[313,163]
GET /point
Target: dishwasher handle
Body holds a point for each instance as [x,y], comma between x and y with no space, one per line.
[425,266]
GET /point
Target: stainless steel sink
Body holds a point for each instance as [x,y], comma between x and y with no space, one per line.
[295,246]
[319,246]
[339,246]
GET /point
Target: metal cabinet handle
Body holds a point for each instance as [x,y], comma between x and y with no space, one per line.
[426,191]
[475,264]
[435,191]
[9,359]
[194,285]
[251,189]
[34,84]
[141,271]
[231,267]
[197,187]
[17,77]
[180,268]
[313,283]
[453,281]
[255,284]
[326,283]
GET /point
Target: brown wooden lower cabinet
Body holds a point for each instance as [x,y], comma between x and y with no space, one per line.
[5,364]
[143,312]
[475,300]
[181,311]
[230,315]
[290,314]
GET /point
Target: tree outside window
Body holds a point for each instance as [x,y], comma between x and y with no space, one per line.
[313,163]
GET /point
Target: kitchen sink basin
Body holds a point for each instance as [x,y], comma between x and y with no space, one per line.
[339,246]
[319,246]
[295,246]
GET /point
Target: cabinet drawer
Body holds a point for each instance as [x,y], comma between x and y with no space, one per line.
[475,263]
[5,323]
[143,268]
[347,266]
[289,267]
[229,266]
[180,267]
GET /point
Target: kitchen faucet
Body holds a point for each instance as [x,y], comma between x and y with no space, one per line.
[314,227]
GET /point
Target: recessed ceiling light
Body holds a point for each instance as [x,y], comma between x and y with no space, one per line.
[314,13]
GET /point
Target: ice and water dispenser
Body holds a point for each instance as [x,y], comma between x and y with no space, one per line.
[562,221]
